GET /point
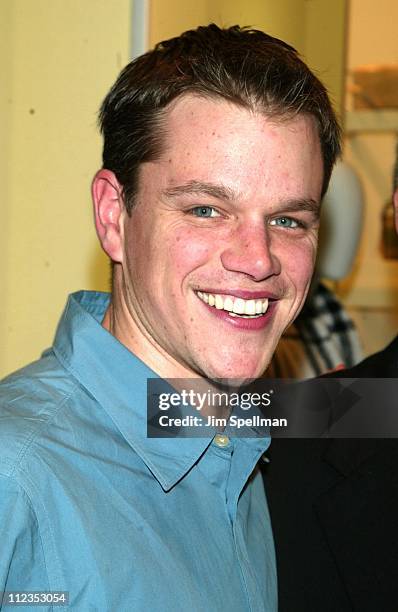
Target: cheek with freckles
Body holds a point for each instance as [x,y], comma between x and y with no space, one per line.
[188,251]
[299,268]
[297,258]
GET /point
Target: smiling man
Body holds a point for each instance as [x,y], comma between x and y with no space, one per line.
[218,146]
[217,253]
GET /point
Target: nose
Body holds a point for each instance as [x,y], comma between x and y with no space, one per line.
[250,252]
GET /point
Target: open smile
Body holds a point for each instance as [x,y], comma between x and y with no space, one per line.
[235,306]
[245,314]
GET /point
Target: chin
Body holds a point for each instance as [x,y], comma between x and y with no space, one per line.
[236,376]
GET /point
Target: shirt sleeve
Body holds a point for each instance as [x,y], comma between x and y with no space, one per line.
[22,563]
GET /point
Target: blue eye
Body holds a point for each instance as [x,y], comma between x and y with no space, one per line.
[287,222]
[204,212]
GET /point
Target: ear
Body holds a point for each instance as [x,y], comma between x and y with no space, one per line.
[395,202]
[108,213]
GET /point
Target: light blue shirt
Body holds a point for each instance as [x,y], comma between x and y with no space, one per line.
[124,523]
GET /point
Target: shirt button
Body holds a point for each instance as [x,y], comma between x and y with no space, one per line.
[221,440]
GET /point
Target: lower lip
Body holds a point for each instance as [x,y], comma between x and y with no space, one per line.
[241,323]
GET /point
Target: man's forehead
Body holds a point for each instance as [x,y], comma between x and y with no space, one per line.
[215,148]
[191,112]
[194,121]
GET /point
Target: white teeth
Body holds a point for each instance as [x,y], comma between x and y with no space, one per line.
[239,306]
[219,302]
[228,304]
[233,305]
[250,307]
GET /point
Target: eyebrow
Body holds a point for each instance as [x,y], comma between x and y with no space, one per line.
[309,204]
[213,190]
[222,192]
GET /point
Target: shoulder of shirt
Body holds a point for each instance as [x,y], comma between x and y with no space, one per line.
[29,400]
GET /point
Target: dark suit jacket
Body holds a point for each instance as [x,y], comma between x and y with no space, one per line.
[334,512]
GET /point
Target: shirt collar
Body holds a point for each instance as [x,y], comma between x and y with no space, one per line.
[117,379]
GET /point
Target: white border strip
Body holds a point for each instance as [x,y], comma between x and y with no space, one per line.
[140,27]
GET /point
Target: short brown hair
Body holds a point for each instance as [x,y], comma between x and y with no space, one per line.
[241,65]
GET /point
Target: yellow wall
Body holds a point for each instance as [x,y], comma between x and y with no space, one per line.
[325,42]
[283,18]
[316,28]
[5,117]
[57,60]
